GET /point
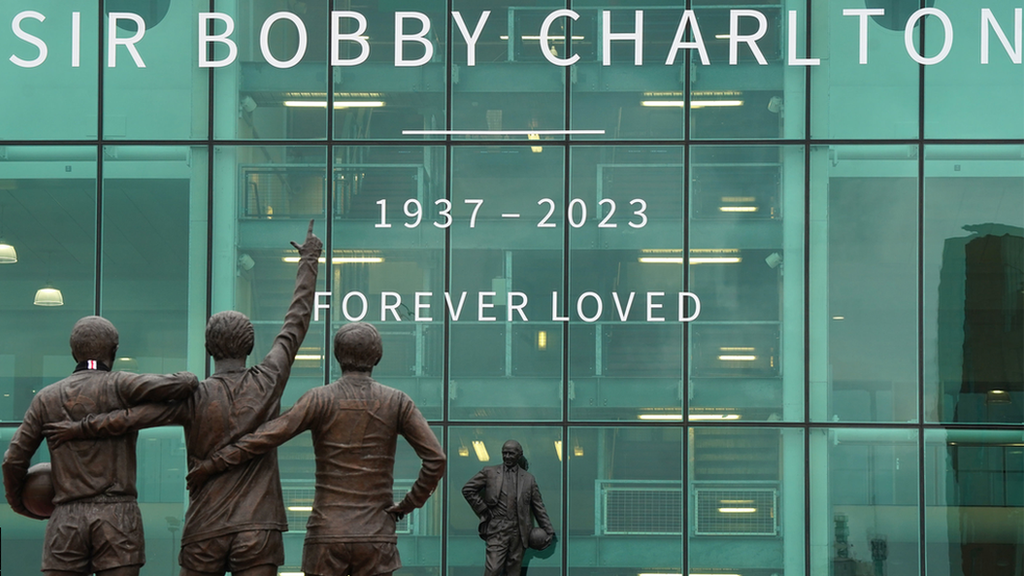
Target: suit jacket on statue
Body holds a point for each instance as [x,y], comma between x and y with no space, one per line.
[482,492]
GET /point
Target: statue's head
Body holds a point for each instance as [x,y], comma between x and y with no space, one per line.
[229,335]
[357,346]
[94,338]
[511,453]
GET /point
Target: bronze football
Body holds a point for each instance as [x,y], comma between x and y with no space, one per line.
[38,492]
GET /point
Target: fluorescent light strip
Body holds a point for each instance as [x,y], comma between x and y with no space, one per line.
[342,104]
[737,357]
[660,260]
[341,259]
[738,209]
[737,510]
[481,451]
[714,416]
[693,103]
[716,260]
[300,508]
[660,416]
[500,132]
[308,357]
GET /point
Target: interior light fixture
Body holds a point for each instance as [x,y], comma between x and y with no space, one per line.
[737,357]
[738,209]
[341,259]
[535,149]
[481,451]
[308,357]
[739,199]
[997,397]
[577,450]
[716,260]
[300,508]
[48,296]
[542,340]
[693,103]
[8,255]
[558,449]
[464,451]
[661,260]
[337,104]
[660,416]
[736,348]
[714,416]
[291,574]
[737,510]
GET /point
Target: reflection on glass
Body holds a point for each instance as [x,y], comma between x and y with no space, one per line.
[872,284]
[974,313]
[871,512]
[974,500]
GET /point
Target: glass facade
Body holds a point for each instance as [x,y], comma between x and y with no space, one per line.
[745,279]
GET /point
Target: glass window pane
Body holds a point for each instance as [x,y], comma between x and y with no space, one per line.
[976,90]
[48,216]
[871,263]
[626,496]
[864,505]
[277,191]
[153,88]
[746,230]
[626,262]
[974,499]
[747,500]
[51,98]
[255,99]
[511,86]
[389,259]
[854,78]
[378,99]
[509,266]
[153,286]
[470,450]
[974,254]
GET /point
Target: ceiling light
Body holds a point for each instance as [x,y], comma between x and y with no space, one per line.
[716,260]
[300,508]
[660,260]
[341,259]
[337,104]
[660,416]
[463,451]
[737,357]
[714,416]
[48,297]
[8,255]
[737,510]
[738,209]
[558,449]
[693,103]
[481,451]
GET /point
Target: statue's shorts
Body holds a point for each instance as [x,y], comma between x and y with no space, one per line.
[233,552]
[92,535]
[353,558]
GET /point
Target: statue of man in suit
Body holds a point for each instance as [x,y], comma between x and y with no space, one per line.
[503,497]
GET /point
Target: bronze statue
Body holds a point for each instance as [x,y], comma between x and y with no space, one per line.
[96,525]
[355,423]
[234,522]
[503,497]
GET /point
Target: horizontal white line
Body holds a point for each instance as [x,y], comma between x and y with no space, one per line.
[502,132]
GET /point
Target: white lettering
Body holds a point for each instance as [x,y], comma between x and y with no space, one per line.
[793,60]
[344,306]
[76,39]
[618,306]
[750,39]
[317,306]
[689,19]
[554,309]
[128,43]
[38,43]
[300,50]
[863,14]
[337,37]
[205,39]
[651,306]
[454,312]
[908,36]
[545,43]
[421,306]
[579,307]
[637,36]
[517,307]
[401,37]
[471,38]
[682,306]
[385,307]
[481,305]
[989,21]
